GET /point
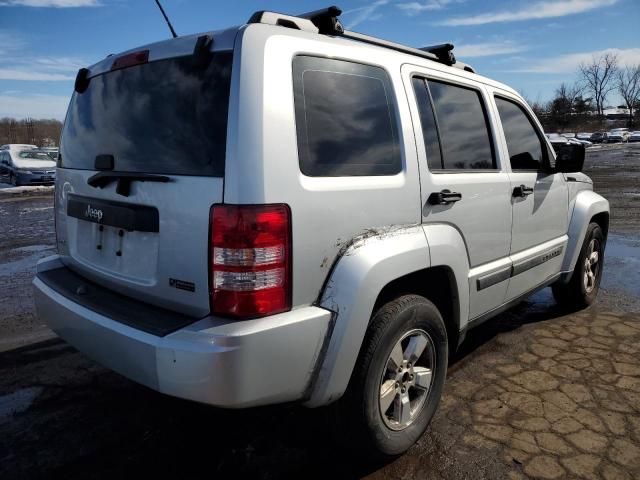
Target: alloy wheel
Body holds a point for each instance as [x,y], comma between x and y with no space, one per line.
[407,379]
[591,266]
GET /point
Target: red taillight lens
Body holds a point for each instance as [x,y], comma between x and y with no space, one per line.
[130,59]
[250,260]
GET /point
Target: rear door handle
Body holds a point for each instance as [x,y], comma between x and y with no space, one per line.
[522,191]
[445,197]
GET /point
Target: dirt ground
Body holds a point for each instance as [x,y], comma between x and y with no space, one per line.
[534,393]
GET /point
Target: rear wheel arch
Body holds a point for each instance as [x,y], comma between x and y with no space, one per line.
[436,284]
[602,219]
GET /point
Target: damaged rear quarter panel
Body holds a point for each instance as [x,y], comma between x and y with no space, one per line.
[363,267]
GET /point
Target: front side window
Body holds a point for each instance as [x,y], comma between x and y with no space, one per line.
[524,144]
[345,118]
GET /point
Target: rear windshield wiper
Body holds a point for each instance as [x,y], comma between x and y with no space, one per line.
[124,179]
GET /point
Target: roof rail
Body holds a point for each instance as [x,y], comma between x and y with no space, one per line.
[325,22]
[282,20]
[442,51]
[326,19]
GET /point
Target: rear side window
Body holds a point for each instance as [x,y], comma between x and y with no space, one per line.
[167,116]
[429,126]
[460,119]
[523,142]
[345,119]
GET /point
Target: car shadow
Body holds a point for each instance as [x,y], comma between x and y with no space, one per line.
[537,308]
[93,423]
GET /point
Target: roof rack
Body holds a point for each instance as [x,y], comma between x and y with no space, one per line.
[325,22]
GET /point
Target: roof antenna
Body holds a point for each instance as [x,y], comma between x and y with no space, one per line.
[173,32]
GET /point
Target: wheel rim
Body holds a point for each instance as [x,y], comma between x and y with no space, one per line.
[407,379]
[591,266]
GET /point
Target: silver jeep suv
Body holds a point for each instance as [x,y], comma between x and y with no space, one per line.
[286,211]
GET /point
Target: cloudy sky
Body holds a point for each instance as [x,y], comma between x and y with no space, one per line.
[532,45]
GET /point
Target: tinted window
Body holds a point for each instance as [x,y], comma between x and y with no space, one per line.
[462,124]
[345,119]
[167,116]
[523,142]
[428,122]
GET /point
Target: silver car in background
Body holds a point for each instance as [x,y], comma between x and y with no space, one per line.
[26,167]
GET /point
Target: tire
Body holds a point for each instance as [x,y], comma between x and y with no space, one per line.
[13,180]
[582,289]
[407,322]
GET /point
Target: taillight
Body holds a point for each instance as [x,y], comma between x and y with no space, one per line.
[250,260]
[130,60]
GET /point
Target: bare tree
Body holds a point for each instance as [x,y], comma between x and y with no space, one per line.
[538,107]
[38,132]
[628,83]
[598,78]
[569,93]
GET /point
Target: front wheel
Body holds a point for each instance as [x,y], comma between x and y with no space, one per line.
[582,289]
[398,380]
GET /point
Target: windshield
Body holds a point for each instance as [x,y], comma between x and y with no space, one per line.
[34,155]
[167,116]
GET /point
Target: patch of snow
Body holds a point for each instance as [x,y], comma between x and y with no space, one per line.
[17,402]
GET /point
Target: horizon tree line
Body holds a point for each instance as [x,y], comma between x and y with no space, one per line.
[588,95]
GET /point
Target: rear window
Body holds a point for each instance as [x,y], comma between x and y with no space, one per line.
[34,155]
[345,118]
[167,116]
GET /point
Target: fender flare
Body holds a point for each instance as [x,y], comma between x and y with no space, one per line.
[587,205]
[366,266]
[448,248]
[360,272]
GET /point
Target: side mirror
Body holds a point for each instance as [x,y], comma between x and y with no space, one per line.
[569,158]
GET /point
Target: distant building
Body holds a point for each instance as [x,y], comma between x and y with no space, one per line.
[616,113]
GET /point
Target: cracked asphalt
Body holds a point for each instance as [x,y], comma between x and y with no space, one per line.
[534,393]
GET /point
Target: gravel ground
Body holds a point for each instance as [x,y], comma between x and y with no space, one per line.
[534,393]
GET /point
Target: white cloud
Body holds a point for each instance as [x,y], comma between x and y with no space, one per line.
[27,75]
[10,43]
[532,11]
[60,64]
[487,49]
[33,105]
[414,8]
[16,62]
[39,69]
[364,13]
[50,3]
[569,63]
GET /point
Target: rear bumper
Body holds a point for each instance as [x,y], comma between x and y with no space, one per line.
[224,363]
[34,178]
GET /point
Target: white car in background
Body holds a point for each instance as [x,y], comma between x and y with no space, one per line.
[584,136]
[579,141]
[17,146]
[634,137]
[618,135]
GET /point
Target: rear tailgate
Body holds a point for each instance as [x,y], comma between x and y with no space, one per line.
[165,123]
